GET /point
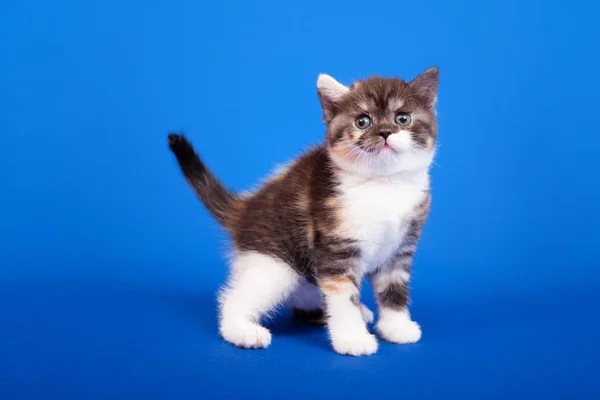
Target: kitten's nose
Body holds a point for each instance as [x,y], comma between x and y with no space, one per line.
[385,134]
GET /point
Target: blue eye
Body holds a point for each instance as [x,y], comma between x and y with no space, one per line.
[363,122]
[402,119]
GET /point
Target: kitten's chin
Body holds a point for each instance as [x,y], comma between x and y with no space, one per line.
[385,161]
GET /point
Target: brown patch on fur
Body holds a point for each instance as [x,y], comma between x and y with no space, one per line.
[310,233]
[345,152]
[336,284]
[394,296]
[429,143]
[333,203]
[237,208]
[303,201]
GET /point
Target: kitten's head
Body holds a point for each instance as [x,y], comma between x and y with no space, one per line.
[381,126]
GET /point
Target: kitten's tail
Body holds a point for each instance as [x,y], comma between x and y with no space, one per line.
[219,201]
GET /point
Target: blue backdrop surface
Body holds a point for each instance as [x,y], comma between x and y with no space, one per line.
[109,265]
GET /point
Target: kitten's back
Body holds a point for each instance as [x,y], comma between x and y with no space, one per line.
[276,219]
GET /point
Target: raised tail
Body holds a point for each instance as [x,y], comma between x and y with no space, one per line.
[219,201]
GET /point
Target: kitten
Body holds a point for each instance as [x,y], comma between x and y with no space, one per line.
[351,207]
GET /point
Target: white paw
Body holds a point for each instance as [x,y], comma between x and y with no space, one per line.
[399,330]
[246,334]
[367,314]
[354,344]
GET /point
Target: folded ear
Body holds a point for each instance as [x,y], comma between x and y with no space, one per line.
[426,85]
[330,92]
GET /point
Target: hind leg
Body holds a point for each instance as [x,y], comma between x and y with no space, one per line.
[258,283]
[307,304]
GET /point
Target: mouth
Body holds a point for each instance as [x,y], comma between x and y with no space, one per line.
[380,148]
[387,147]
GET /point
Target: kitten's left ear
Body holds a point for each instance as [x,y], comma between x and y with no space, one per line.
[427,84]
[330,93]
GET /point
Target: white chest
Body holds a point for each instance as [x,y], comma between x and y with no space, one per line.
[377,212]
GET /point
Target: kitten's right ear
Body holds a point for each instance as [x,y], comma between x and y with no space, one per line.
[330,93]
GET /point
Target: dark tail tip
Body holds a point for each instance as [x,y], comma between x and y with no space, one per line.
[174,138]
[180,146]
[177,141]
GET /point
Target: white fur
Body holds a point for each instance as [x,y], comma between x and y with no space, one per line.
[400,141]
[258,283]
[331,88]
[347,329]
[397,327]
[377,213]
[367,314]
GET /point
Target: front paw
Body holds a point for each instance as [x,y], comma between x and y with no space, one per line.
[245,334]
[355,344]
[399,330]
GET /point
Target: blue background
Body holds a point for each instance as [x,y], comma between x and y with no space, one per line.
[109,265]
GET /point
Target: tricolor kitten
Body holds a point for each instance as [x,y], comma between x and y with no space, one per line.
[353,206]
